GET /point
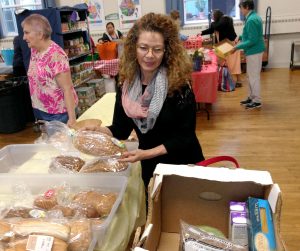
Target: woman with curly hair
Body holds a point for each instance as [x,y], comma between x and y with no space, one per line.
[155,97]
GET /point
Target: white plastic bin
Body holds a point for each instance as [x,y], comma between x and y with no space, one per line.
[36,158]
[13,157]
[41,182]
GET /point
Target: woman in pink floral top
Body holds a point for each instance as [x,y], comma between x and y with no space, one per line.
[52,93]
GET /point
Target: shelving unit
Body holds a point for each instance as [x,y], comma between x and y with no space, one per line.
[77,43]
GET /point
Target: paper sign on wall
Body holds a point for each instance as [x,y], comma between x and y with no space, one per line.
[129,12]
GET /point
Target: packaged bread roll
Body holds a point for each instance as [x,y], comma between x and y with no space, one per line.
[27,227]
[22,212]
[80,236]
[97,144]
[45,202]
[20,245]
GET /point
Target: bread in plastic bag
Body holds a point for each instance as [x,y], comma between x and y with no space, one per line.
[66,164]
[57,134]
[195,239]
[97,144]
[103,203]
[80,235]
[21,243]
[104,165]
[27,227]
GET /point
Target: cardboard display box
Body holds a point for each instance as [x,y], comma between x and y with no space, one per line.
[223,48]
[201,196]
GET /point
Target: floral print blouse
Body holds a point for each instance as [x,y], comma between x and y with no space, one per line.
[46,94]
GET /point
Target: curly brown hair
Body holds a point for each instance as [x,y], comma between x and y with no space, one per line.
[175,59]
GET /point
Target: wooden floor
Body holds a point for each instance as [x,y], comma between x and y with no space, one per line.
[265,139]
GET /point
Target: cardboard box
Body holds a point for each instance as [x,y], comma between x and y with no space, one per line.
[224,48]
[201,196]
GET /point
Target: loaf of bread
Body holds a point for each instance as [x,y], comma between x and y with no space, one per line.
[45,202]
[85,210]
[20,245]
[22,212]
[79,125]
[80,236]
[5,230]
[66,211]
[104,165]
[69,163]
[103,203]
[97,144]
[27,227]
[107,201]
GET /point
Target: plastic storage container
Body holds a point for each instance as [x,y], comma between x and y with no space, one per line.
[36,158]
[8,56]
[40,182]
[14,156]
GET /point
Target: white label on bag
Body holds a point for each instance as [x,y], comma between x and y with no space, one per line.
[39,243]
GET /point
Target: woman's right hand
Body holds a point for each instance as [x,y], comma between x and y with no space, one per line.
[236,40]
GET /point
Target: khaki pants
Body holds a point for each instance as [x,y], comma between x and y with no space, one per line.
[254,64]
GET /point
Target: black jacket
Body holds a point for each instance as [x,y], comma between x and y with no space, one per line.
[106,38]
[225,29]
[174,128]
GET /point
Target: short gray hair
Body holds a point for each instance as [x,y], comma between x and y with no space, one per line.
[39,24]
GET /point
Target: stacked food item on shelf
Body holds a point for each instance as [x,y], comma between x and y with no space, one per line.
[89,93]
[86,98]
[75,47]
[73,26]
[81,72]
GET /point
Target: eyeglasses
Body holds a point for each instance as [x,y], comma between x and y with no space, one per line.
[156,51]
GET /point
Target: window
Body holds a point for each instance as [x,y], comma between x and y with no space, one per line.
[197,11]
[7,12]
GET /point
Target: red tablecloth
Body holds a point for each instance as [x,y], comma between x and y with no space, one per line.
[205,82]
[193,42]
[108,67]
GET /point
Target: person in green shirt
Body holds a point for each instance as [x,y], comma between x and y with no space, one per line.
[252,42]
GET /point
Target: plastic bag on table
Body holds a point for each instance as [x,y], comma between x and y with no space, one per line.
[98,144]
[57,134]
[193,238]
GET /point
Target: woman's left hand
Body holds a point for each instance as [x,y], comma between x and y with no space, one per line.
[133,156]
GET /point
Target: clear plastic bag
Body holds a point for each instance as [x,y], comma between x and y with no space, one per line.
[195,239]
[57,134]
[104,165]
[66,164]
[98,144]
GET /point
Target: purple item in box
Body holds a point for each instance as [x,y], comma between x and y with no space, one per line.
[237,206]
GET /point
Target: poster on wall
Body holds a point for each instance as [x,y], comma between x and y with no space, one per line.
[129,12]
[96,14]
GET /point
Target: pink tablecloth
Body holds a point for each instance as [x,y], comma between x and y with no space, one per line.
[108,67]
[205,82]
